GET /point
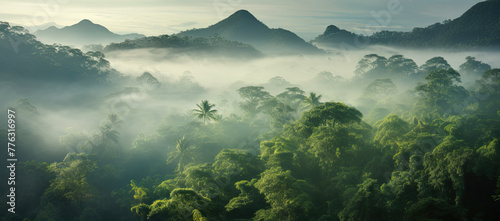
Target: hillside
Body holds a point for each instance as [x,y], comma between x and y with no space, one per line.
[23,58]
[478,27]
[213,46]
[242,26]
[334,36]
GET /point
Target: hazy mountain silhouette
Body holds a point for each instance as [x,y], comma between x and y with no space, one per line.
[477,27]
[84,32]
[335,37]
[242,26]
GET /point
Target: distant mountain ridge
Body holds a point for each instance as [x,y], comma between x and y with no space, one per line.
[242,26]
[477,27]
[84,32]
[335,36]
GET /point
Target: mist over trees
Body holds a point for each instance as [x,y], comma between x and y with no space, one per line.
[400,137]
[430,154]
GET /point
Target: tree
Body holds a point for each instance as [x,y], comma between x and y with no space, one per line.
[492,76]
[279,112]
[278,81]
[71,182]
[398,66]
[141,210]
[181,206]
[287,195]
[312,100]
[401,192]
[380,89]
[248,201]
[489,91]
[234,164]
[109,131]
[326,77]
[182,153]
[201,178]
[254,96]
[198,216]
[205,111]
[441,91]
[148,81]
[390,129]
[331,113]
[370,66]
[433,64]
[140,193]
[292,97]
[445,170]
[365,204]
[473,68]
[108,138]
[328,144]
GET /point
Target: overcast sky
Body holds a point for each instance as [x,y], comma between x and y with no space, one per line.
[306,18]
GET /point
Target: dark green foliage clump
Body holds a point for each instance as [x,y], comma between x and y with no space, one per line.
[22,57]
[214,44]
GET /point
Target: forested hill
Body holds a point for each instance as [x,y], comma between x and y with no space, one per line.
[478,27]
[242,26]
[23,57]
[336,37]
[215,45]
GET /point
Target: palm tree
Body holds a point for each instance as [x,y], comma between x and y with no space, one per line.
[114,120]
[205,111]
[108,137]
[312,100]
[182,151]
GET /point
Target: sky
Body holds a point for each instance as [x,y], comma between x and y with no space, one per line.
[307,19]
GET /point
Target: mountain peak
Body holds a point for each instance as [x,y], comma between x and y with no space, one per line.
[242,16]
[331,29]
[243,12]
[242,26]
[85,21]
[89,26]
[476,28]
[83,32]
[51,28]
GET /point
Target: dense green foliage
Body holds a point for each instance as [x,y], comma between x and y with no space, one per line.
[430,162]
[211,44]
[430,153]
[22,57]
